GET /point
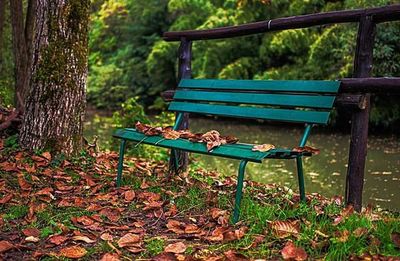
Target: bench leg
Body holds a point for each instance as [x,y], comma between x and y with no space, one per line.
[121,161]
[300,177]
[239,190]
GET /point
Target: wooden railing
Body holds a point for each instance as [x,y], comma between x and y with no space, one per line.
[354,92]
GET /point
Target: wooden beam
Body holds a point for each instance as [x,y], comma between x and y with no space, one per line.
[379,15]
[184,72]
[359,123]
[372,85]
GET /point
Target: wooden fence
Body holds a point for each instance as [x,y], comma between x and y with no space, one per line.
[354,92]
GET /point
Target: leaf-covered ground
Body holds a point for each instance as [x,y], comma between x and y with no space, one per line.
[54,209]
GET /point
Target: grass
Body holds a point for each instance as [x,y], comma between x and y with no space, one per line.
[194,194]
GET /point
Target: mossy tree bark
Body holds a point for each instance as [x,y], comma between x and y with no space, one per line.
[55,104]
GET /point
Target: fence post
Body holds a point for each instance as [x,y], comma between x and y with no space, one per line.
[184,72]
[359,123]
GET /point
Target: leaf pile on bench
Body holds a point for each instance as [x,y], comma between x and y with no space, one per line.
[212,138]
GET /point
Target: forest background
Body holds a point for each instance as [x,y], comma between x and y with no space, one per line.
[129,59]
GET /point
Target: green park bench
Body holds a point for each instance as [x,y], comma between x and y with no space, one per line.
[306,102]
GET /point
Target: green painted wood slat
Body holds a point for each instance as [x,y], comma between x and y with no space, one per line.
[262,85]
[323,102]
[285,115]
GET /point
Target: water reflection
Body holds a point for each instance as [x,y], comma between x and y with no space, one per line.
[325,173]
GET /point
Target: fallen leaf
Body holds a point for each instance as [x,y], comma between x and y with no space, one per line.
[85,220]
[171,135]
[106,237]
[6,199]
[212,139]
[191,229]
[73,252]
[129,195]
[112,214]
[165,256]
[176,226]
[306,149]
[47,155]
[263,147]
[360,231]
[32,239]
[110,257]
[84,239]
[8,166]
[234,256]
[5,246]
[58,239]
[343,236]
[23,183]
[176,248]
[396,239]
[290,251]
[128,239]
[284,229]
[34,232]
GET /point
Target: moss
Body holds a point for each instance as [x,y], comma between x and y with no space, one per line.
[55,65]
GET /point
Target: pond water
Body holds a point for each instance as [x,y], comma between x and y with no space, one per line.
[324,173]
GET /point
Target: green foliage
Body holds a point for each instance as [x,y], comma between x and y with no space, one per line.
[6,64]
[130,113]
[128,57]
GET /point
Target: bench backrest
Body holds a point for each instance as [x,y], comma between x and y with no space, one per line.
[289,101]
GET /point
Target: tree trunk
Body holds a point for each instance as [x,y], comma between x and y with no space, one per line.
[2,19]
[55,104]
[21,59]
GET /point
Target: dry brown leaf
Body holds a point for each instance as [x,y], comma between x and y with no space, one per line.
[84,239]
[212,138]
[263,147]
[286,228]
[110,257]
[8,166]
[128,239]
[343,236]
[32,239]
[34,232]
[176,226]
[191,229]
[73,252]
[396,239]
[176,248]
[359,232]
[171,135]
[85,220]
[234,256]
[165,256]
[5,246]
[291,252]
[23,183]
[129,195]
[112,214]
[306,149]
[6,199]
[58,239]
[47,155]
[106,237]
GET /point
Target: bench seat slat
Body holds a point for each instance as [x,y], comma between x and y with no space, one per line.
[323,102]
[262,85]
[234,151]
[301,116]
